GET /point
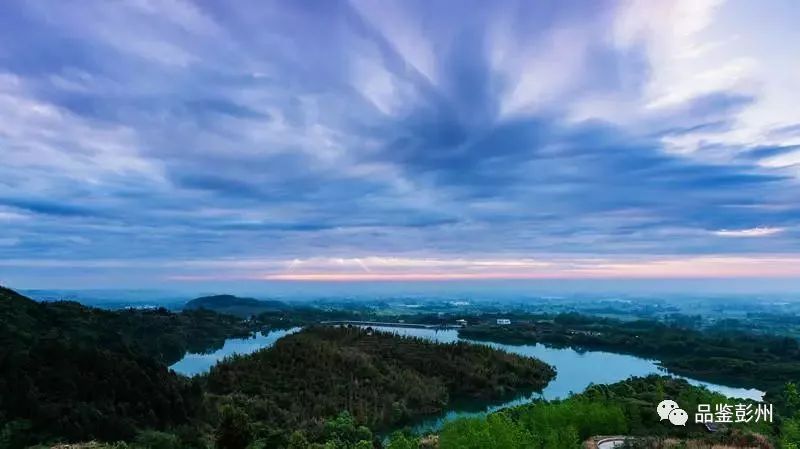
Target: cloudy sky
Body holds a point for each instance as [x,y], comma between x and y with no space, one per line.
[149,142]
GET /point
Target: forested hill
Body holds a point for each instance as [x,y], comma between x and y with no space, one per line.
[235,305]
[158,333]
[76,372]
[66,373]
[380,378]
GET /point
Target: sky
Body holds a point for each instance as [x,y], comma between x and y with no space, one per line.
[148,143]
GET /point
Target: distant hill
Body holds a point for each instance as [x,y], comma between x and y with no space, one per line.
[235,305]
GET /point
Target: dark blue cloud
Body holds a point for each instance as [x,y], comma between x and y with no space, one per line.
[757,153]
[46,207]
[219,184]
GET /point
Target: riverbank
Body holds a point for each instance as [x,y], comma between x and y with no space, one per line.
[733,358]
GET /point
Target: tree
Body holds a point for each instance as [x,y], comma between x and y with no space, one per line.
[790,428]
[151,439]
[792,398]
[790,434]
[15,434]
[297,441]
[234,431]
[400,440]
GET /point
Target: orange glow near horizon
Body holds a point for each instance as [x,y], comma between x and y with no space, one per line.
[392,269]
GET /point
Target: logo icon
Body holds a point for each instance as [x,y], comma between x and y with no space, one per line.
[678,417]
[670,410]
[666,406]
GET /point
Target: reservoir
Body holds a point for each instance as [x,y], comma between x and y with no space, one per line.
[575,370]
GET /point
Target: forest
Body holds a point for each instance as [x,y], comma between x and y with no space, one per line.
[158,333]
[78,374]
[623,408]
[379,378]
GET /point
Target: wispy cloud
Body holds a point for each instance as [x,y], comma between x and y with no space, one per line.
[372,133]
[752,232]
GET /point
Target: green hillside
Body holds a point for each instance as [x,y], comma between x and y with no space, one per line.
[380,378]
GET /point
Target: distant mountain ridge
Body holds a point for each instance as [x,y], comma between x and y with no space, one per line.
[235,305]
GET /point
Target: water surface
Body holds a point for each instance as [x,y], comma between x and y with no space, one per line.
[193,364]
[575,370]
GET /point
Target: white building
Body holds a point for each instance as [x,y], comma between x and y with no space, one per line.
[503,321]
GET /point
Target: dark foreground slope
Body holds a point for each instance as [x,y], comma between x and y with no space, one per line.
[380,378]
[73,372]
[64,376]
